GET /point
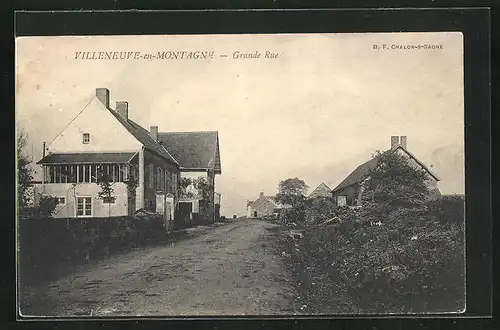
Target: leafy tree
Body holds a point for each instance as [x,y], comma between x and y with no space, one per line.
[105,182]
[200,184]
[183,185]
[45,208]
[395,182]
[203,187]
[292,192]
[46,205]
[24,172]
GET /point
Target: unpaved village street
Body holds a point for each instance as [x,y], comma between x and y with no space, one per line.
[226,269]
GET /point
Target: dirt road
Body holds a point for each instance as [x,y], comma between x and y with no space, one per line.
[230,269]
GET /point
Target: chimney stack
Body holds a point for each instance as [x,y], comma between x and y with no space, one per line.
[402,141]
[154,132]
[122,109]
[103,95]
[394,141]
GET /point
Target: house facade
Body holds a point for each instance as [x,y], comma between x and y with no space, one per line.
[198,155]
[264,206]
[105,141]
[322,190]
[350,190]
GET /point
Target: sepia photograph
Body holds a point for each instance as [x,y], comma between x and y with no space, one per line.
[240,174]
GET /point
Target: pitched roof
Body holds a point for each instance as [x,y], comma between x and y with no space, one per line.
[362,170]
[320,190]
[144,137]
[193,150]
[87,158]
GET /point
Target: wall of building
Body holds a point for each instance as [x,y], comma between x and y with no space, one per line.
[151,163]
[70,192]
[250,213]
[351,193]
[263,207]
[108,135]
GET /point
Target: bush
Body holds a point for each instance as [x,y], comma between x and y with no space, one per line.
[411,261]
[44,209]
[450,208]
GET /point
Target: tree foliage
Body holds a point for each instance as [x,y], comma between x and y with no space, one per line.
[292,192]
[24,172]
[394,182]
[199,184]
[105,182]
[46,205]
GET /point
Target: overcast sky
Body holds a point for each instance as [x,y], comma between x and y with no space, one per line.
[318,110]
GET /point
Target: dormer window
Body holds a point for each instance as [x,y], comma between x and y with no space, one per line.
[86,138]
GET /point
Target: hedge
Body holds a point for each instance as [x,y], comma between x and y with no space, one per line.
[47,246]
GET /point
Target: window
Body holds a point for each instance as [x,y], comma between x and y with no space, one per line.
[79,173]
[115,173]
[83,173]
[123,173]
[61,200]
[151,175]
[84,206]
[158,179]
[341,200]
[93,173]
[174,182]
[86,138]
[86,173]
[170,183]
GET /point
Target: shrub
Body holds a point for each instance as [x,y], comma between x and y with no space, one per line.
[450,208]
[410,262]
[318,210]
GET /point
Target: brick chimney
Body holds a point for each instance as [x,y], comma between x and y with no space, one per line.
[103,95]
[122,109]
[403,141]
[154,132]
[394,141]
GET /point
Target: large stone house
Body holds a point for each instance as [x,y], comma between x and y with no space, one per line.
[264,206]
[143,173]
[349,191]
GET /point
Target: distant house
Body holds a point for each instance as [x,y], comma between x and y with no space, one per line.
[105,140]
[264,206]
[198,155]
[321,191]
[349,191]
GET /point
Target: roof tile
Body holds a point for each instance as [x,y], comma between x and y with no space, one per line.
[193,150]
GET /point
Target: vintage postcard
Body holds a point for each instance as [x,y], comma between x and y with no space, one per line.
[272,174]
